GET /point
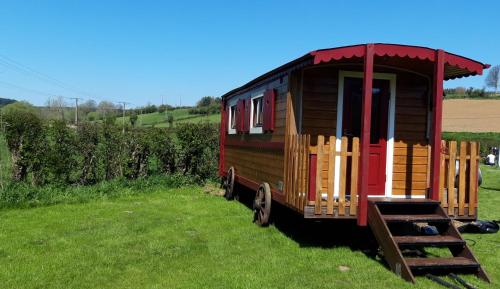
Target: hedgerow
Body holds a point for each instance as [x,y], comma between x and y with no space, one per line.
[56,154]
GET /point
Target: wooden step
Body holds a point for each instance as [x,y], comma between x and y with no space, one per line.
[437,240]
[416,218]
[395,201]
[441,263]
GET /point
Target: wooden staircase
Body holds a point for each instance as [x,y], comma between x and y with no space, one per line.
[392,221]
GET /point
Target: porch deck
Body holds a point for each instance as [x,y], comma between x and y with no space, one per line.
[321,179]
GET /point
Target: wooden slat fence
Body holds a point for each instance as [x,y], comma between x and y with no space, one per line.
[346,202]
[296,181]
[458,177]
[299,153]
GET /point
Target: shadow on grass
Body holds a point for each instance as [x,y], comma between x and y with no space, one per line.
[315,233]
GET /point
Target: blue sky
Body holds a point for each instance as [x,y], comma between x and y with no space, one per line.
[139,51]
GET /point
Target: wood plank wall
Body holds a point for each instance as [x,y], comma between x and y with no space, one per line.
[411,152]
[319,102]
[254,163]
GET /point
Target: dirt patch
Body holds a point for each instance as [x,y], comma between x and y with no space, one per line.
[467,115]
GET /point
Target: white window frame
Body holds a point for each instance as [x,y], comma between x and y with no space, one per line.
[230,104]
[258,129]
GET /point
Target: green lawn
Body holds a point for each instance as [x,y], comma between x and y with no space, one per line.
[181,115]
[185,238]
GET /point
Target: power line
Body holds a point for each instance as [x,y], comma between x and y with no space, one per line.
[26,89]
[15,65]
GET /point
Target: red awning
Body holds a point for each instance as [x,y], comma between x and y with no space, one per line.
[455,66]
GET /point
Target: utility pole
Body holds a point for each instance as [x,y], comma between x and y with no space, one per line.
[76,108]
[123,115]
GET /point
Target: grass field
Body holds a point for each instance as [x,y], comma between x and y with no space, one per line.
[186,238]
[181,115]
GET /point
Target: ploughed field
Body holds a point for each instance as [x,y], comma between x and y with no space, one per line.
[186,238]
[471,115]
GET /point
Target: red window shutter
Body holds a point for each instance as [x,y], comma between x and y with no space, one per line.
[268,110]
[246,122]
[240,115]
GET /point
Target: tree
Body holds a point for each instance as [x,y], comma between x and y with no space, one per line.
[170,120]
[88,106]
[57,104]
[493,78]
[19,106]
[133,118]
[162,108]
[205,101]
[106,108]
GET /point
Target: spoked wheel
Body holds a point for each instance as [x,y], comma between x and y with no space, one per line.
[262,205]
[229,184]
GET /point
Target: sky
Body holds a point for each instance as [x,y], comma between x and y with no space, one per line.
[143,51]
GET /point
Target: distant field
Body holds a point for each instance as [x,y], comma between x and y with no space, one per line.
[157,119]
[471,115]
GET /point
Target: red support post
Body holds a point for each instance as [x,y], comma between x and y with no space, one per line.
[222,139]
[365,136]
[437,112]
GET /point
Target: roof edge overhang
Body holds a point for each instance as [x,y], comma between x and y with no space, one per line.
[466,66]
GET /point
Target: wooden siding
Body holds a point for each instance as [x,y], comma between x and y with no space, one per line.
[260,164]
[411,150]
[319,101]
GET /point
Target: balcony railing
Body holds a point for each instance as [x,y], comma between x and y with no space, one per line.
[459,178]
[322,176]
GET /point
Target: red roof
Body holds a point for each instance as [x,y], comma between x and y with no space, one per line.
[455,65]
[405,55]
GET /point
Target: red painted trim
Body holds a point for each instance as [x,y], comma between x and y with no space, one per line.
[246,120]
[258,145]
[365,135]
[391,50]
[276,195]
[268,110]
[437,113]
[240,115]
[313,160]
[222,139]
[464,63]
[397,50]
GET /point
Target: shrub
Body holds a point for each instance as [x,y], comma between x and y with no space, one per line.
[25,140]
[136,154]
[198,145]
[109,151]
[133,118]
[62,150]
[87,143]
[164,149]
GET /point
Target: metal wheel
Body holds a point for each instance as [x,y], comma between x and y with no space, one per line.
[229,184]
[262,205]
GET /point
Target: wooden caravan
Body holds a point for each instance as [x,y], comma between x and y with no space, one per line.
[348,133]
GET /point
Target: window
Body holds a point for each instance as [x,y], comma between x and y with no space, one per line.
[257,115]
[232,120]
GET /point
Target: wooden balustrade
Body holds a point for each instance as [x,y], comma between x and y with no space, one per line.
[310,176]
[296,181]
[325,200]
[458,189]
